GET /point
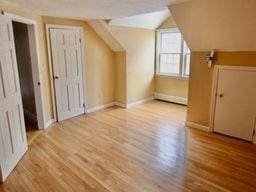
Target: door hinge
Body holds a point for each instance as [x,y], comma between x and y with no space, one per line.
[80,40]
[84,105]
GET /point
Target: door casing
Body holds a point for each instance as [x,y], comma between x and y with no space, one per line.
[35,64]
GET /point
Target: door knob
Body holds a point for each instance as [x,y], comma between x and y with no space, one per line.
[56,77]
[221,95]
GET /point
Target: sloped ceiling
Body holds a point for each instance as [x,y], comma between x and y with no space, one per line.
[147,21]
[102,29]
[225,25]
[95,9]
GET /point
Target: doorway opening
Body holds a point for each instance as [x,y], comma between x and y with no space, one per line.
[24,56]
[13,131]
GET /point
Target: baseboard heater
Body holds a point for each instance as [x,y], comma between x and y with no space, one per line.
[172,99]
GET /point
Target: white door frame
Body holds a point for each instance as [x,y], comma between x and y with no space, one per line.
[35,65]
[217,68]
[53,26]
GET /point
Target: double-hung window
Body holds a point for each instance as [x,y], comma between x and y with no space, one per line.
[173,54]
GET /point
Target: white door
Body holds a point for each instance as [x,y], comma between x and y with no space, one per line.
[12,128]
[67,69]
[235,110]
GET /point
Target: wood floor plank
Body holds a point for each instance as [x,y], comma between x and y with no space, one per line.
[142,149]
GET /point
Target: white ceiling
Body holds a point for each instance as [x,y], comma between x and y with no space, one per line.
[95,9]
[148,21]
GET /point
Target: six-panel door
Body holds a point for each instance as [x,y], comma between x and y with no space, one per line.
[12,128]
[67,69]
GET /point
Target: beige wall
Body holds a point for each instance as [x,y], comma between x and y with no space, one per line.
[120,77]
[226,25]
[210,25]
[140,53]
[200,85]
[99,60]
[168,23]
[175,87]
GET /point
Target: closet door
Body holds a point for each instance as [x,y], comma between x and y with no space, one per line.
[235,110]
[12,127]
[67,69]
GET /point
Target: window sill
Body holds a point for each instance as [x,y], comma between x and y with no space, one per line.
[172,77]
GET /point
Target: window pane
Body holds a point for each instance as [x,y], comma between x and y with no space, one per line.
[170,42]
[169,64]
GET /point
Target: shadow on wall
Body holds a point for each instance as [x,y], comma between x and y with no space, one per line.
[140,55]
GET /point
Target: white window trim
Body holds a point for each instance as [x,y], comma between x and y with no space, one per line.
[182,64]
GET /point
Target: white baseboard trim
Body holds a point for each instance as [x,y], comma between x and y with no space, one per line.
[29,114]
[48,123]
[120,104]
[139,102]
[100,107]
[254,140]
[170,98]
[197,126]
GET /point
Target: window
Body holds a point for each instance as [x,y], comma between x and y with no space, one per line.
[173,54]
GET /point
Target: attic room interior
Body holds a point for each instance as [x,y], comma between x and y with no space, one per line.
[127,96]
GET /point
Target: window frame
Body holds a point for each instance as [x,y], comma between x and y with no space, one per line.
[183,55]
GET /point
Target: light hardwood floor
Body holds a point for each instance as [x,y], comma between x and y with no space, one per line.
[142,149]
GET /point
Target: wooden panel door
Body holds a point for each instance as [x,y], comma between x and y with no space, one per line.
[235,110]
[67,69]
[12,128]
